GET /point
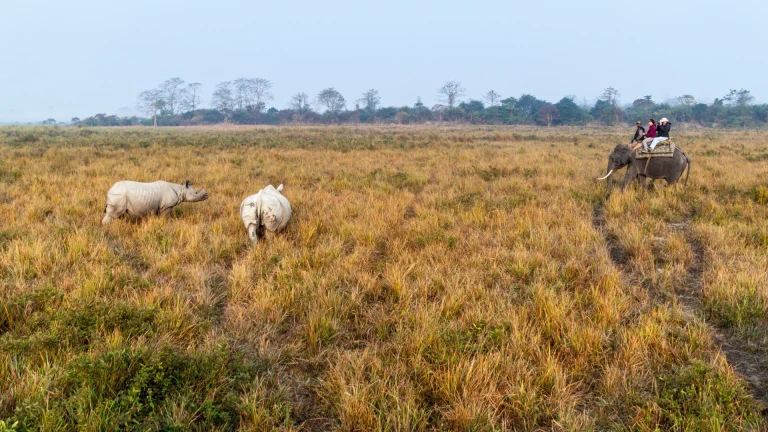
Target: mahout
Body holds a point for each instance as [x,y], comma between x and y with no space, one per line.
[143,199]
[265,211]
[668,168]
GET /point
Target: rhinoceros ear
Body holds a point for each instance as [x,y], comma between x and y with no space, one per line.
[187,183]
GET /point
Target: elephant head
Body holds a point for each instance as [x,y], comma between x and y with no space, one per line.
[620,157]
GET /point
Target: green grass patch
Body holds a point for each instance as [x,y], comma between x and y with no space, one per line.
[698,397]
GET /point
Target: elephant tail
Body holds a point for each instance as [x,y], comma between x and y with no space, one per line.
[687,161]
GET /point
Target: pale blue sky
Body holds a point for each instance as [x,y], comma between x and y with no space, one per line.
[77,58]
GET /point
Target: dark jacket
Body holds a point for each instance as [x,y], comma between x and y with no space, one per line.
[651,131]
[639,133]
[663,130]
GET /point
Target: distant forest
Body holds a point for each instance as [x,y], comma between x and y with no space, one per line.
[244,101]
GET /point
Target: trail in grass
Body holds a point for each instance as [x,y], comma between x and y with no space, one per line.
[751,366]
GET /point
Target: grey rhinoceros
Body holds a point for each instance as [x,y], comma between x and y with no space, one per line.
[268,209]
[142,199]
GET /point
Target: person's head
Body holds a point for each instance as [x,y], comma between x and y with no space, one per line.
[637,124]
[664,120]
[651,122]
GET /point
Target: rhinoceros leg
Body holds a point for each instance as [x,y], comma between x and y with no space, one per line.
[255,232]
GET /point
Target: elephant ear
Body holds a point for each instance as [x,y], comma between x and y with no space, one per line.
[626,156]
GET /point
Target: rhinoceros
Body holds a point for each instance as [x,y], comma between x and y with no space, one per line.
[142,199]
[268,209]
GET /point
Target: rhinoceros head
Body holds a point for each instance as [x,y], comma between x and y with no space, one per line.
[194,195]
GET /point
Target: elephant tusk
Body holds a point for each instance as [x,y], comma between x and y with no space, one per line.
[606,176]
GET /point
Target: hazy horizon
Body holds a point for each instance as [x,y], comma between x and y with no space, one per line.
[87,57]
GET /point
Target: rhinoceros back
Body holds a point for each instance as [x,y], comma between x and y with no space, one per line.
[268,208]
[276,211]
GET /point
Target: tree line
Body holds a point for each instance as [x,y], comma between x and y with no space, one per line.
[244,101]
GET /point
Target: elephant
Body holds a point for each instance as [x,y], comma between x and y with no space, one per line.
[669,168]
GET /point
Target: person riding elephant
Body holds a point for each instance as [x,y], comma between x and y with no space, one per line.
[669,168]
[662,132]
[639,133]
[650,135]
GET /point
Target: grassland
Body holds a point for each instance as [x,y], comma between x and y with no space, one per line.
[452,278]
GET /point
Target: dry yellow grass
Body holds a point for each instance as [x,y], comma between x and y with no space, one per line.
[454,278]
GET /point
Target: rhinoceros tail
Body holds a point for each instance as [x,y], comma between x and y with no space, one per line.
[280,188]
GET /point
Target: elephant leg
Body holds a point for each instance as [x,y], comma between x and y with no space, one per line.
[631,174]
[643,182]
[674,178]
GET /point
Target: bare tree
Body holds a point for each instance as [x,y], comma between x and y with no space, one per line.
[223,99]
[191,97]
[439,109]
[300,102]
[492,97]
[150,102]
[611,95]
[331,99]
[740,98]
[171,93]
[251,92]
[451,92]
[370,100]
[687,100]
[548,113]
[608,106]
[242,92]
[260,89]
